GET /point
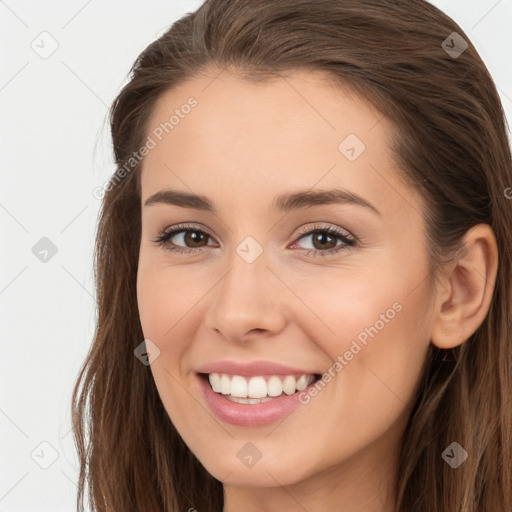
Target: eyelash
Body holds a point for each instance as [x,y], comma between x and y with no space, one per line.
[349,241]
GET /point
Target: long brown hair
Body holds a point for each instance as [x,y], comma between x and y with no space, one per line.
[450,142]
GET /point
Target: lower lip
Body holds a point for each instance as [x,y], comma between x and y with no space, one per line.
[248,415]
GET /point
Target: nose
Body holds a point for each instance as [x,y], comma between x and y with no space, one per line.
[248,301]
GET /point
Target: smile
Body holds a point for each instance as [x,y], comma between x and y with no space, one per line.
[257,389]
[266,398]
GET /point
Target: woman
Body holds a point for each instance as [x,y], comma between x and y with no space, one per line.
[232,367]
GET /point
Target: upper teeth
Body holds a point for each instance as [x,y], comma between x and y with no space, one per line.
[258,387]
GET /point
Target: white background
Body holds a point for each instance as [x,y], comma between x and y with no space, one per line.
[55,151]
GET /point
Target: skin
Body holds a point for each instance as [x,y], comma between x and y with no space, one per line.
[243,144]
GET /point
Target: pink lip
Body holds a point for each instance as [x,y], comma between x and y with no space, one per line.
[252,368]
[248,415]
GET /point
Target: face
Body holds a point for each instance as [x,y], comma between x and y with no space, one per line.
[275,280]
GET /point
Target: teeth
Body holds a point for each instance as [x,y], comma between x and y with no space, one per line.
[289,384]
[274,386]
[239,387]
[225,384]
[248,400]
[302,383]
[257,389]
[215,382]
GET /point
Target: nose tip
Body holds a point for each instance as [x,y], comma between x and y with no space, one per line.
[244,305]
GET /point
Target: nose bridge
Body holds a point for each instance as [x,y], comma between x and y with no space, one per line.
[245,298]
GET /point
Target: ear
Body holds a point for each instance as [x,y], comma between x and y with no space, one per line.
[466,289]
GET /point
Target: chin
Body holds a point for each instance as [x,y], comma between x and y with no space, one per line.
[262,473]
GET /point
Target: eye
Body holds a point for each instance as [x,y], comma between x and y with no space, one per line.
[325,240]
[185,234]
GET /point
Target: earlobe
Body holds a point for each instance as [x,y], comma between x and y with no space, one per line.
[468,287]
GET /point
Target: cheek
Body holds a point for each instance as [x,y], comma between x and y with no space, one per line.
[166,306]
[376,333]
[169,302]
[165,296]
[154,302]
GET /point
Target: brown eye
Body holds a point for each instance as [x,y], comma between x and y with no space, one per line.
[183,239]
[194,238]
[321,240]
[327,240]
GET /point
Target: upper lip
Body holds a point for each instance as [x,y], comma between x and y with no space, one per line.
[251,368]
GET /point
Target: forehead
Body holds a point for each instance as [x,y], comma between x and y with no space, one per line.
[299,130]
[231,110]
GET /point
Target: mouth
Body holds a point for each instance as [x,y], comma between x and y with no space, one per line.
[257,389]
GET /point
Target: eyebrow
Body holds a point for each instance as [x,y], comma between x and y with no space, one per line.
[284,202]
